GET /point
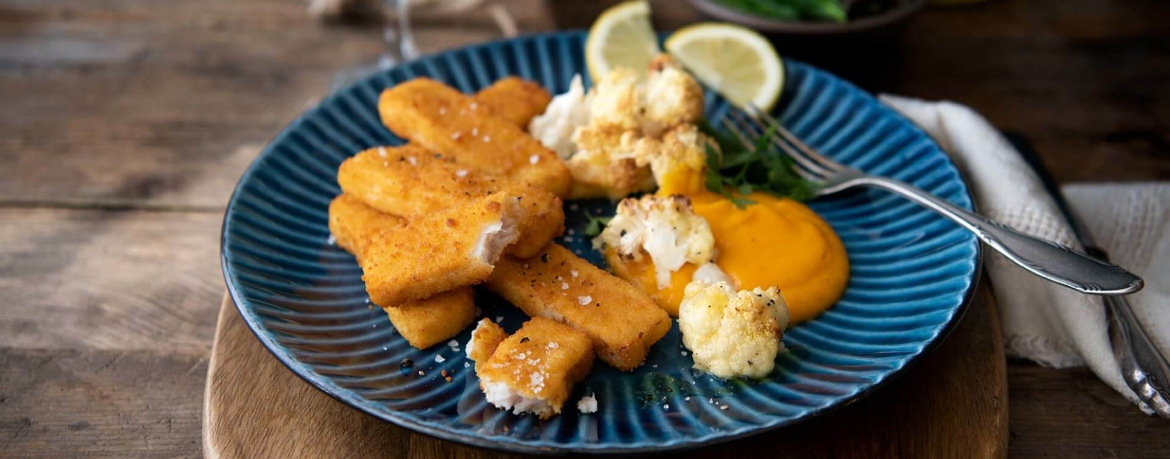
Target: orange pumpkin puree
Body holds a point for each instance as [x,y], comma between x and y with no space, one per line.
[774,242]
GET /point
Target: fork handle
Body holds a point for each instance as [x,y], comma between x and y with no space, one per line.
[1049,260]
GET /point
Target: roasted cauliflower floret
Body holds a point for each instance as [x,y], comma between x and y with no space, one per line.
[732,333]
[617,101]
[682,149]
[602,168]
[664,227]
[567,112]
[672,97]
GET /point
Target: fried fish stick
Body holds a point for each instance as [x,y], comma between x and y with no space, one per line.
[622,321]
[446,121]
[442,251]
[430,321]
[486,337]
[535,369]
[424,322]
[514,99]
[409,180]
[354,224]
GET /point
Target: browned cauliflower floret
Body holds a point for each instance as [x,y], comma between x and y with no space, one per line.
[732,333]
[664,227]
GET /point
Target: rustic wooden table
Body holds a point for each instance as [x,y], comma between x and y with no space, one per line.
[125,124]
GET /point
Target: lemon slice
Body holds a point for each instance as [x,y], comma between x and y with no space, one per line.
[621,37]
[738,62]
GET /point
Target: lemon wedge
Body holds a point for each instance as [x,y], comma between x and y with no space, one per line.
[738,62]
[621,37]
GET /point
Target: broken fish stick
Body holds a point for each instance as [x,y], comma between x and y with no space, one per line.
[621,319]
[515,99]
[353,223]
[535,369]
[486,337]
[441,251]
[424,322]
[409,180]
[433,320]
[446,121]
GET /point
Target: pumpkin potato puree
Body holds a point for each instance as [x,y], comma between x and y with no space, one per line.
[774,242]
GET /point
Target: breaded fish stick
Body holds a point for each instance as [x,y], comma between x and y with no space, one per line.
[424,322]
[514,99]
[486,337]
[622,321]
[534,370]
[409,180]
[446,121]
[440,251]
[430,321]
[354,224]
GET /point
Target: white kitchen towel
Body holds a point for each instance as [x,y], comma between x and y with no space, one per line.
[1042,321]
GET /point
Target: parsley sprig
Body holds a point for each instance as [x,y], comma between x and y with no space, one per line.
[734,170]
[596,224]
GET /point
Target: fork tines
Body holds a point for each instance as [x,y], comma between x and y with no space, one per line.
[748,125]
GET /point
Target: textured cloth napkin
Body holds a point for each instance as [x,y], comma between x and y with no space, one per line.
[1042,321]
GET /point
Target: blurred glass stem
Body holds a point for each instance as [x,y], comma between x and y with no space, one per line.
[399,36]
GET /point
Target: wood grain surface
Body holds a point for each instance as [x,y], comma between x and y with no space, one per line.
[953,404]
[125,123]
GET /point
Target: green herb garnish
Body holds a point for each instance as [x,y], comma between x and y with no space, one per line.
[734,169]
[791,10]
[596,224]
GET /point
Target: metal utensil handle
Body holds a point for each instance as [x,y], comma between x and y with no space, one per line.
[1142,367]
[1051,261]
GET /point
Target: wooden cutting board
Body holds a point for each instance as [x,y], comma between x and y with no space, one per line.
[953,404]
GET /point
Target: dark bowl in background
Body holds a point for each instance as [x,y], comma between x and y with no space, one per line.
[865,50]
[902,10]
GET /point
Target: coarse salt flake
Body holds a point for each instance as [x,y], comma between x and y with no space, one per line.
[584,300]
[533,159]
[461,173]
[439,359]
[564,285]
[412,160]
[587,404]
[574,273]
[382,152]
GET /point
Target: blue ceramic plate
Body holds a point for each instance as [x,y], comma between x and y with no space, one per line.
[912,273]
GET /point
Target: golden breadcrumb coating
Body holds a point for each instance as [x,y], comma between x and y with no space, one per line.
[484,339]
[433,320]
[443,120]
[354,224]
[440,251]
[621,319]
[514,99]
[535,369]
[408,180]
[424,322]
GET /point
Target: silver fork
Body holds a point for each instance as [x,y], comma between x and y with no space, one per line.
[1048,260]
